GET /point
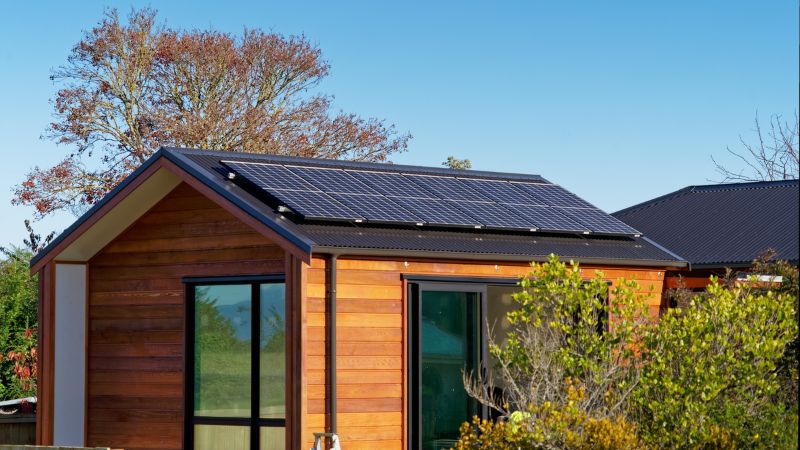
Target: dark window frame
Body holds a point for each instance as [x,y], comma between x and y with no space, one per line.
[254,422]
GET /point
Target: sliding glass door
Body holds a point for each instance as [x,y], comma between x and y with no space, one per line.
[446,336]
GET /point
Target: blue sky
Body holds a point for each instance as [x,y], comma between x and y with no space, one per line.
[617,101]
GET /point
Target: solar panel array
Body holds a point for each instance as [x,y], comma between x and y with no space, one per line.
[325,193]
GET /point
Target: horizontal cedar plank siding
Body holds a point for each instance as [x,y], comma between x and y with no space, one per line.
[371,361]
[136,314]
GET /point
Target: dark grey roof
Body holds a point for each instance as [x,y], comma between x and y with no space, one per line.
[723,224]
[460,244]
[354,239]
[485,246]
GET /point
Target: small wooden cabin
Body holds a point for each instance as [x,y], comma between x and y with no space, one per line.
[721,226]
[227,300]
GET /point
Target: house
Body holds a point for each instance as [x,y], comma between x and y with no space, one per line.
[366,286]
[720,226]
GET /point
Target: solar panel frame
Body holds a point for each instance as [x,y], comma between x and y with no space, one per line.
[546,218]
[554,195]
[597,221]
[495,215]
[502,191]
[378,208]
[331,180]
[447,188]
[391,184]
[439,212]
[319,193]
[310,204]
[270,176]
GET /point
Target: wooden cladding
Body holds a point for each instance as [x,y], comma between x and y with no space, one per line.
[136,320]
[136,314]
[371,335]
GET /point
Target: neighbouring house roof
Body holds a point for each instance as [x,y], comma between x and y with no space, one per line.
[723,225]
[391,239]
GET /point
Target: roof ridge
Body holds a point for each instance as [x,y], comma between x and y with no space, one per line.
[361,165]
[701,188]
[745,185]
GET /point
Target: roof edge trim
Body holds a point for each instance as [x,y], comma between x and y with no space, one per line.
[42,256]
[183,164]
[483,257]
[192,169]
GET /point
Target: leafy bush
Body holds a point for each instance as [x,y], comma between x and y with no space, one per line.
[561,332]
[713,364]
[707,376]
[18,320]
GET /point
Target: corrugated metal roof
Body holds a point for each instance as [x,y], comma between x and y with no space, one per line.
[724,224]
[625,250]
[485,245]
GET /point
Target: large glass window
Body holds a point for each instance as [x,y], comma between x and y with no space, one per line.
[237,360]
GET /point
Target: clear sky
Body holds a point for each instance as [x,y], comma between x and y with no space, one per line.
[617,101]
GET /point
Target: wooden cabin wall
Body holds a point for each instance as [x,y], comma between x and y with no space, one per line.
[371,336]
[136,314]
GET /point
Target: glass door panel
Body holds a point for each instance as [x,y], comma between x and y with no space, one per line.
[222,341]
[450,342]
[214,437]
[272,352]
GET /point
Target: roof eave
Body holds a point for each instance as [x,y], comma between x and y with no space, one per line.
[428,254]
[43,254]
[189,166]
[302,243]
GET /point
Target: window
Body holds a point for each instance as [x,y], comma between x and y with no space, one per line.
[236,360]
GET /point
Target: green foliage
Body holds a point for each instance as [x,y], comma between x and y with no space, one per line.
[18,319]
[456,163]
[560,331]
[713,364]
[707,376]
[557,426]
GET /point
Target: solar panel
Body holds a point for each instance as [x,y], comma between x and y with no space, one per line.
[554,195]
[377,208]
[448,188]
[315,205]
[549,219]
[598,221]
[494,215]
[502,191]
[331,180]
[391,184]
[438,212]
[322,193]
[270,176]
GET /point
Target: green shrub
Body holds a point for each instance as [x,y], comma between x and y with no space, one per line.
[710,370]
[18,321]
[711,375]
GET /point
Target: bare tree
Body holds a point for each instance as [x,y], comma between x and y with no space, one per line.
[773,157]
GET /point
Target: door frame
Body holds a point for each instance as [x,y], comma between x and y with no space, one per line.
[414,295]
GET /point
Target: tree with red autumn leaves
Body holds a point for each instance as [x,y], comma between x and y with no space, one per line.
[128,88]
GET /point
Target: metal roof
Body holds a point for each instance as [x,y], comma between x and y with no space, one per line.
[430,242]
[723,225]
[205,166]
